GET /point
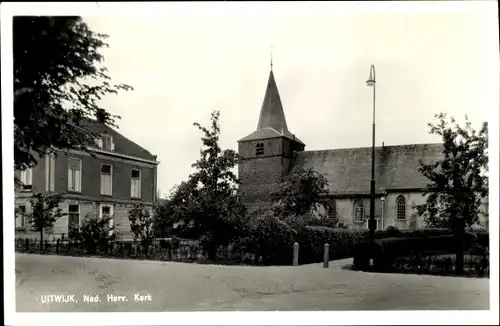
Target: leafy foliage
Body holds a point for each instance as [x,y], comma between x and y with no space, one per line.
[268,238]
[458,183]
[45,212]
[58,80]
[341,242]
[206,206]
[95,233]
[163,221]
[300,192]
[141,224]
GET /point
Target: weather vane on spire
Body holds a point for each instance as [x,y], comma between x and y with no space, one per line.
[271,57]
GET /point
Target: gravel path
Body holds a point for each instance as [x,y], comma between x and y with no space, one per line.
[183,287]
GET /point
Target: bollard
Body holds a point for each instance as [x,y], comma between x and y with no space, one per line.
[326,256]
[296,254]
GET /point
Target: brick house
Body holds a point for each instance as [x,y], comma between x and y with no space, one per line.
[120,175]
[272,151]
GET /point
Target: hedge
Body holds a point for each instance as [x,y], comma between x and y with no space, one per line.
[419,242]
[312,240]
[269,239]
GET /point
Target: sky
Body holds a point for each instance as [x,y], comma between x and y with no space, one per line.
[193,59]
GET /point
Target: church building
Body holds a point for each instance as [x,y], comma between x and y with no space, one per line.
[272,151]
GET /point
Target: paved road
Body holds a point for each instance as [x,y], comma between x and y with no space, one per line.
[183,287]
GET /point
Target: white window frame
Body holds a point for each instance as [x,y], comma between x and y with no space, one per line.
[23,216]
[111,180]
[377,227]
[79,215]
[355,210]
[50,172]
[132,195]
[26,178]
[111,142]
[400,199]
[77,187]
[99,142]
[111,214]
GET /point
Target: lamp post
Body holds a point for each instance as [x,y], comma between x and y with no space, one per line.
[371,222]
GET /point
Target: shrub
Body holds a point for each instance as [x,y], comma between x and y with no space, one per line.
[328,222]
[95,233]
[391,244]
[313,238]
[267,237]
[483,239]
[141,224]
[392,231]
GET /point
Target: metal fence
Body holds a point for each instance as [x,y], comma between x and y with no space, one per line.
[161,249]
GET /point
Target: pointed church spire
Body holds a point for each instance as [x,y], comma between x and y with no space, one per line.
[271,57]
[271,113]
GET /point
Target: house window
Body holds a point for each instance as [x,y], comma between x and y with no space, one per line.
[73,216]
[27,179]
[332,209]
[259,149]
[74,174]
[105,141]
[20,216]
[401,208]
[50,172]
[106,179]
[359,211]
[105,212]
[135,184]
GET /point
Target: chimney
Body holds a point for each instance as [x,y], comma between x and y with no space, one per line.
[382,145]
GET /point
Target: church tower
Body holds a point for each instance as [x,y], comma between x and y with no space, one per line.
[268,152]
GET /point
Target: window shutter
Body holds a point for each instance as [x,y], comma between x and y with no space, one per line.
[52,180]
[30,176]
[70,180]
[78,182]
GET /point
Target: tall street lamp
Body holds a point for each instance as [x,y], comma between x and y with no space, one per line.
[371,222]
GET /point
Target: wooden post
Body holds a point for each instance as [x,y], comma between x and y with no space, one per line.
[296,254]
[326,256]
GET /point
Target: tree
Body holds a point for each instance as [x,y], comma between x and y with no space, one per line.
[207,205]
[95,233]
[45,212]
[458,182]
[301,192]
[58,80]
[141,224]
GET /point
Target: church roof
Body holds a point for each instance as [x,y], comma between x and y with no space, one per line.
[269,132]
[348,170]
[272,121]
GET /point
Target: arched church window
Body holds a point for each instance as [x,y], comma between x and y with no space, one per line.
[401,208]
[259,149]
[332,209]
[359,211]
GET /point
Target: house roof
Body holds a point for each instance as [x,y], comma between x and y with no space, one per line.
[348,170]
[272,121]
[123,145]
